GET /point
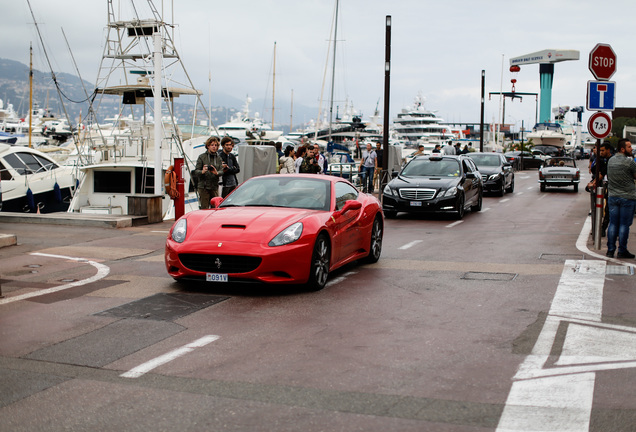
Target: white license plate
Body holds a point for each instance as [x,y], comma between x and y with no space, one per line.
[559,177]
[416,203]
[216,277]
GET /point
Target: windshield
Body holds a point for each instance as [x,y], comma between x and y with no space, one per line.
[282,191]
[561,162]
[431,168]
[486,160]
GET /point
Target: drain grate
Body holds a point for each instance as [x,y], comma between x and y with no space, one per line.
[490,276]
[560,257]
[163,307]
[619,270]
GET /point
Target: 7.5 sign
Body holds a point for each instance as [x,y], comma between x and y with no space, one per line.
[599,125]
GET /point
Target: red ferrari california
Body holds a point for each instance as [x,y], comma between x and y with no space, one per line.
[277,229]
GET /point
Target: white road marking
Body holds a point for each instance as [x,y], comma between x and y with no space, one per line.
[525,177]
[144,368]
[340,279]
[531,187]
[454,224]
[102,272]
[504,200]
[162,232]
[519,193]
[410,245]
[554,387]
[544,396]
[485,209]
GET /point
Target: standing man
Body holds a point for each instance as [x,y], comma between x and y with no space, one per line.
[378,169]
[230,166]
[448,149]
[621,172]
[207,169]
[368,164]
[309,164]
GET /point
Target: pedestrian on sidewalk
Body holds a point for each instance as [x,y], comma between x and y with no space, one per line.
[621,172]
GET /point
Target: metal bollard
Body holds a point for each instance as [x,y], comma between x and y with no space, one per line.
[598,215]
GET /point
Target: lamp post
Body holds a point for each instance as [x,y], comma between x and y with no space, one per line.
[387,83]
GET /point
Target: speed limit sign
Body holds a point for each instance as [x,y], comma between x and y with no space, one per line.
[599,125]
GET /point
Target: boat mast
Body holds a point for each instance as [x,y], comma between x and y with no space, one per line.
[30,91]
[273,85]
[291,111]
[333,69]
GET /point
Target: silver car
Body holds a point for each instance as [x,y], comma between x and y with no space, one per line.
[559,172]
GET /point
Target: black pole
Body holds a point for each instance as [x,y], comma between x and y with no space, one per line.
[481,123]
[387,82]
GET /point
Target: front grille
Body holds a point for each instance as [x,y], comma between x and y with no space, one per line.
[417,194]
[220,263]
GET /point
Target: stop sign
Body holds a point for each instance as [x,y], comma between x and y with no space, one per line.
[602,61]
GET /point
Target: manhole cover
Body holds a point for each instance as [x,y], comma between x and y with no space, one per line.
[490,276]
[560,257]
[619,270]
[163,307]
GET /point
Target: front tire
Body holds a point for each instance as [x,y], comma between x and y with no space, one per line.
[477,206]
[319,269]
[375,248]
[390,214]
[459,207]
[511,188]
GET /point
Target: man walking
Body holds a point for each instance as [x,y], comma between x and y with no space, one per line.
[368,164]
[621,172]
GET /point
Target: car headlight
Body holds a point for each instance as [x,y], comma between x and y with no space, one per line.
[179,231]
[288,235]
[450,192]
[388,190]
[494,176]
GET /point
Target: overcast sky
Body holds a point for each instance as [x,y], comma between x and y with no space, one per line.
[438,48]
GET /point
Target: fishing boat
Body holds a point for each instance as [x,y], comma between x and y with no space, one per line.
[34,183]
[127,157]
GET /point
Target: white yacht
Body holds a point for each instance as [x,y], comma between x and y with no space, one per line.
[548,134]
[34,183]
[417,123]
[244,128]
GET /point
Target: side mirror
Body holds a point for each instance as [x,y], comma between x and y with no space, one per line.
[216,202]
[350,205]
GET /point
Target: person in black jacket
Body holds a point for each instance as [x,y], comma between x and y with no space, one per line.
[230,166]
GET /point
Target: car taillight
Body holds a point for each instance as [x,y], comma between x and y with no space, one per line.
[540,175]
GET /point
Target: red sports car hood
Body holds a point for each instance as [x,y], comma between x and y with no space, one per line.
[244,224]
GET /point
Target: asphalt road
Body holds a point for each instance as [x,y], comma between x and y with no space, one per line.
[506,320]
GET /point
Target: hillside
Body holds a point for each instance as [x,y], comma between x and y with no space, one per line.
[14,89]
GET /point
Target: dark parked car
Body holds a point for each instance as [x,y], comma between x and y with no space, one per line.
[496,172]
[436,183]
[529,160]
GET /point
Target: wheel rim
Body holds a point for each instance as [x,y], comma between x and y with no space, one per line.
[321,262]
[376,239]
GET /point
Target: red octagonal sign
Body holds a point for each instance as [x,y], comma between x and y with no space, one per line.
[602,61]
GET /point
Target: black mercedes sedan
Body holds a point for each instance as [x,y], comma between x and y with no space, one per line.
[436,183]
[496,172]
